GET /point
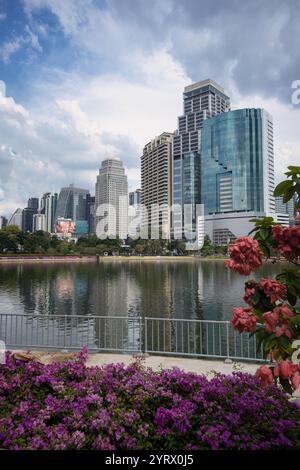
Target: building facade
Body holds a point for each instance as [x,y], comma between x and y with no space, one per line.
[135,197]
[156,178]
[48,208]
[201,101]
[111,200]
[39,222]
[237,171]
[286,212]
[72,204]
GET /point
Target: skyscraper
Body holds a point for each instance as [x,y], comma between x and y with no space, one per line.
[90,210]
[71,204]
[201,100]
[156,175]
[135,197]
[33,203]
[237,171]
[48,208]
[111,199]
[39,222]
[28,213]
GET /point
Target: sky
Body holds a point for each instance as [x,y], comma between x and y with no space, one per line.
[81,80]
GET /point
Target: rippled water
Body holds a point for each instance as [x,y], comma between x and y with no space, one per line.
[181,289]
[200,290]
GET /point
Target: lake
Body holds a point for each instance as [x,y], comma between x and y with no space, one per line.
[179,289]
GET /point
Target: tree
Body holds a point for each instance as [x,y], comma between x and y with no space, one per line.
[273,312]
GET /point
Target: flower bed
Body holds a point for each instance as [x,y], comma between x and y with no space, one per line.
[71,406]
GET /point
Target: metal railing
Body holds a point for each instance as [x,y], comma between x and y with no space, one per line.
[163,336]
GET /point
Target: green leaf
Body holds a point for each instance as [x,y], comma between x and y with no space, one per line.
[289,193]
[282,187]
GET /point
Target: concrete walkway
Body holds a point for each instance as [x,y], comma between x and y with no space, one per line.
[199,366]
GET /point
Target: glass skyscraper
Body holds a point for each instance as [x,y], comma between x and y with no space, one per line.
[237,162]
[72,204]
[201,101]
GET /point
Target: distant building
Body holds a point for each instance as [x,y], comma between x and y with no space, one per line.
[27,219]
[134,213]
[111,199]
[90,210]
[237,171]
[286,211]
[135,197]
[72,204]
[39,222]
[156,175]
[16,218]
[33,203]
[65,228]
[48,208]
[3,222]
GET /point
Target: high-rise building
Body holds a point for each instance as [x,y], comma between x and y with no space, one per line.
[286,207]
[90,210]
[3,222]
[156,176]
[111,199]
[201,100]
[48,208]
[71,204]
[28,213]
[237,171]
[39,222]
[16,218]
[135,197]
[33,203]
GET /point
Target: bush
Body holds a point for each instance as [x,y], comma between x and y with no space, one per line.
[71,406]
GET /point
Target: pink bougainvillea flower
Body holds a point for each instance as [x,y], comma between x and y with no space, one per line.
[245,256]
[243,319]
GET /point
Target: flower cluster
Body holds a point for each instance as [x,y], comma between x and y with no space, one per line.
[285,370]
[277,321]
[67,405]
[273,289]
[288,240]
[243,319]
[245,255]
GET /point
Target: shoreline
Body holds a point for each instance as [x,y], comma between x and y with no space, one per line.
[86,258]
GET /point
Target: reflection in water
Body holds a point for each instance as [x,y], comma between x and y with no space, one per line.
[129,289]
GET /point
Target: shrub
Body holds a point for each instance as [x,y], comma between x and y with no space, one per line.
[68,405]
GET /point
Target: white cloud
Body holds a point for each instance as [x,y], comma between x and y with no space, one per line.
[9,48]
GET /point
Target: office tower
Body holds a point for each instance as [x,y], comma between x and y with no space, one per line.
[16,218]
[134,213]
[71,204]
[3,222]
[39,222]
[201,100]
[90,210]
[33,203]
[111,200]
[48,208]
[237,171]
[135,197]
[156,175]
[28,213]
[286,208]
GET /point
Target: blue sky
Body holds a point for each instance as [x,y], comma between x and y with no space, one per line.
[83,79]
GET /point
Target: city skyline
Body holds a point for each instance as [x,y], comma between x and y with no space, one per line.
[71,91]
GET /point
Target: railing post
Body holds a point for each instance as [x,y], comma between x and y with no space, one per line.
[145,335]
[227,360]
